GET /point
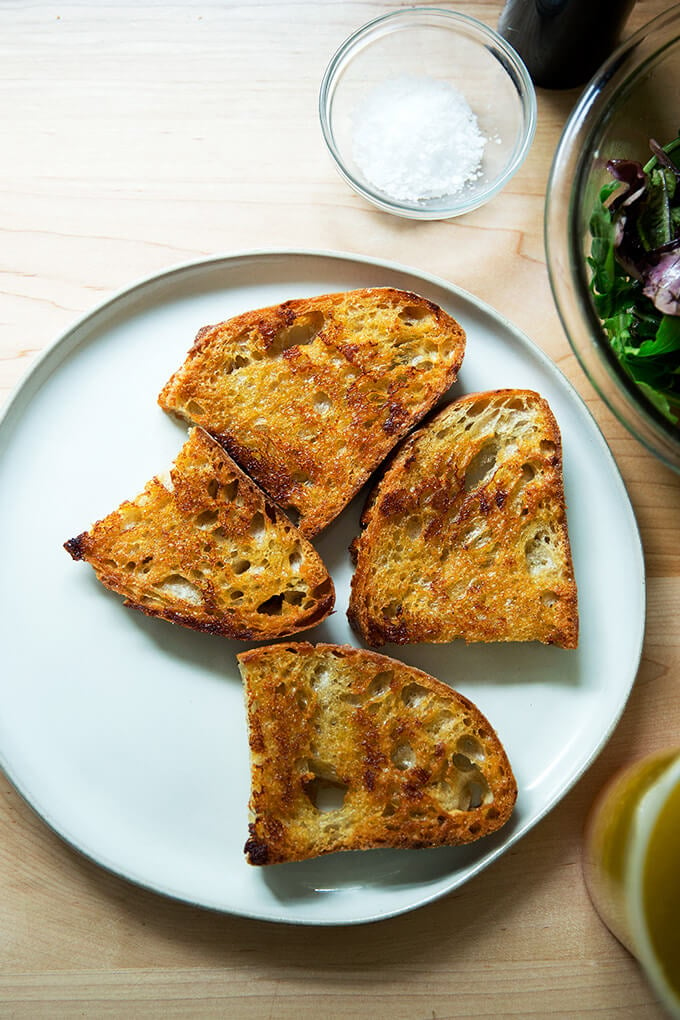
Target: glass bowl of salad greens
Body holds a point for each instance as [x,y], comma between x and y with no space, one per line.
[612,234]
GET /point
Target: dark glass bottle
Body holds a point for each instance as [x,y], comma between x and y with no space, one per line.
[563,42]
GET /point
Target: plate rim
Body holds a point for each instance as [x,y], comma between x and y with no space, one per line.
[34,377]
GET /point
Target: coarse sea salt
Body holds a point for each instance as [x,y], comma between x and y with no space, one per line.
[416,138]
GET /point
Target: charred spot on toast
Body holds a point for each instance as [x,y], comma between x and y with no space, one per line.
[256,851]
[281,484]
[217,627]
[353,551]
[76,547]
[484,504]
[397,417]
[201,336]
[395,502]
[241,454]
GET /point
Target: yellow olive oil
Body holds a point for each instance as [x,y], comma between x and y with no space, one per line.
[661,889]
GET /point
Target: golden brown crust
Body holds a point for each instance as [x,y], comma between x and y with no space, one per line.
[309,396]
[209,551]
[402,759]
[465,536]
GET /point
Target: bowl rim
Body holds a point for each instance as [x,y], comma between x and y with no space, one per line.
[512,64]
[567,269]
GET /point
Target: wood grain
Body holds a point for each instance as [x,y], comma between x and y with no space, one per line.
[139,135]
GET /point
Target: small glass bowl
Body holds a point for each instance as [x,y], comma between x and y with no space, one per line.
[632,98]
[450,48]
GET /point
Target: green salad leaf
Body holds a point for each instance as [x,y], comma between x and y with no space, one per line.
[635,273]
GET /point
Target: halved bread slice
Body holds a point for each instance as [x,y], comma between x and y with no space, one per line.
[465,536]
[352,750]
[204,548]
[309,396]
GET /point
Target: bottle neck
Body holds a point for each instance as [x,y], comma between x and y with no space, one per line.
[563,42]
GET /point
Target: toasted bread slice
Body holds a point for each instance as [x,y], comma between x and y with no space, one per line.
[466,534]
[207,550]
[352,750]
[309,396]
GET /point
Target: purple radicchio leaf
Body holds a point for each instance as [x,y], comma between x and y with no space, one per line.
[625,208]
[632,175]
[662,283]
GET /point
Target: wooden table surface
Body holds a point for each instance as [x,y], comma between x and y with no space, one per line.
[136,136]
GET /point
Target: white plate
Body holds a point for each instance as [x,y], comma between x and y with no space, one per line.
[127,734]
